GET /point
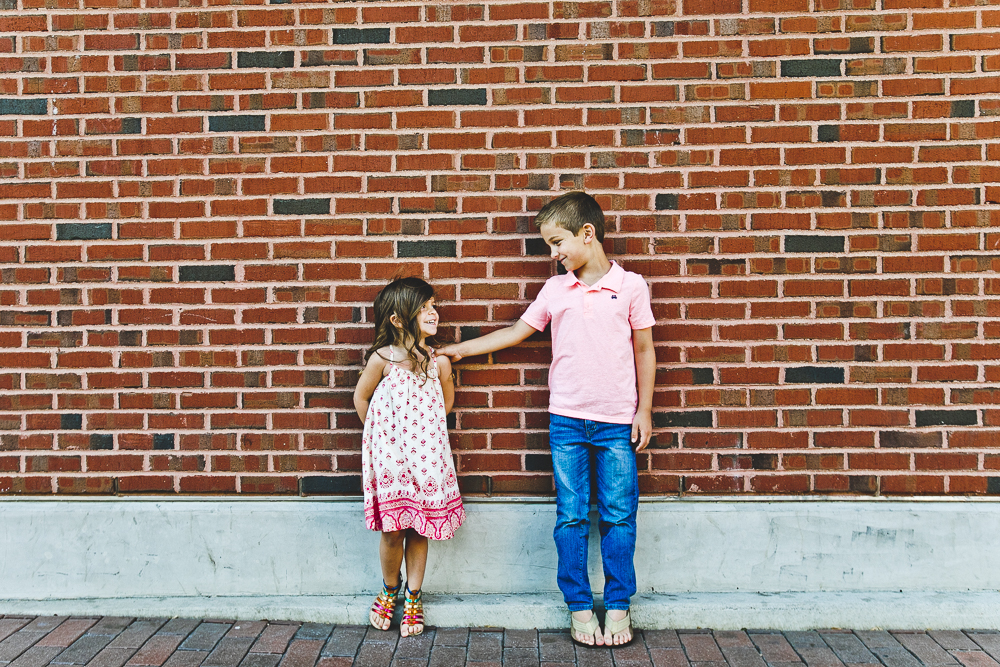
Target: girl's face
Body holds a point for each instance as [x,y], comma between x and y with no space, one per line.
[427,318]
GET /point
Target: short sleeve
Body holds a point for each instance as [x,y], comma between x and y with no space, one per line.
[640,313]
[537,315]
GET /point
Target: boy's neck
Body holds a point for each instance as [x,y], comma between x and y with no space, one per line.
[596,267]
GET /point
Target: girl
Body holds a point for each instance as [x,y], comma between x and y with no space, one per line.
[411,493]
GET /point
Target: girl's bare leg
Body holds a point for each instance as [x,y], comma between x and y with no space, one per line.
[390,555]
[416,563]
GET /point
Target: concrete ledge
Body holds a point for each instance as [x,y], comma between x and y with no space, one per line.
[719,611]
[720,563]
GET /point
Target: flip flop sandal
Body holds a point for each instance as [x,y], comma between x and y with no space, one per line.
[413,611]
[385,603]
[589,627]
[621,625]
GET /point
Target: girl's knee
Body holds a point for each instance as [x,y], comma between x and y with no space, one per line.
[413,537]
[394,538]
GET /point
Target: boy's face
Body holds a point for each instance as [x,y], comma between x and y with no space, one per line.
[573,251]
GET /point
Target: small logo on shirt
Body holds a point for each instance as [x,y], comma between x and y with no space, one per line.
[614,296]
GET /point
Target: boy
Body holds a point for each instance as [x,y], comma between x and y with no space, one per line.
[602,350]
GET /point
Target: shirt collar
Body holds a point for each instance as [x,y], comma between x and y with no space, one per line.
[612,280]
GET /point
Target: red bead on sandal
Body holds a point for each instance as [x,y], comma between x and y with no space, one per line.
[385,603]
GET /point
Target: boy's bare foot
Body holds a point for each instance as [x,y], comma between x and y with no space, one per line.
[585,628]
[617,631]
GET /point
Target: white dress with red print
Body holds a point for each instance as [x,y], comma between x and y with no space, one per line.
[409,477]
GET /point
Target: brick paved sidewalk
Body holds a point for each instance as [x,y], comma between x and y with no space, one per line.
[127,642]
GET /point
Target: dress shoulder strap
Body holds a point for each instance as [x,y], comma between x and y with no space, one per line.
[432,367]
[392,363]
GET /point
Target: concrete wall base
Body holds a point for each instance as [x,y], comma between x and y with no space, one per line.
[719,611]
[723,563]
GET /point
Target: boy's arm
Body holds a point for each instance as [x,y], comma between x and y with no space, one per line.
[491,342]
[447,382]
[370,377]
[645,374]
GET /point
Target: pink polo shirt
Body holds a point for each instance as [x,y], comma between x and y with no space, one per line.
[593,364]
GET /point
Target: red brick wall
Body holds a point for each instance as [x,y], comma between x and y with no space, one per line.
[199,201]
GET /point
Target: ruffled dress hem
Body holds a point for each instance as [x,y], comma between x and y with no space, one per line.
[432,523]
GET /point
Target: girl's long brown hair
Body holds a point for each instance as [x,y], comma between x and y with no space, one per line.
[403,298]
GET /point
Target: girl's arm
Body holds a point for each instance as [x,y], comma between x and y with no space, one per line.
[447,382]
[645,373]
[491,342]
[370,377]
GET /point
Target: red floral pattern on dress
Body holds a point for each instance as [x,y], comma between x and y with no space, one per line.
[409,477]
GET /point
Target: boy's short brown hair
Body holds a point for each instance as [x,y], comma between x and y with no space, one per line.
[572,211]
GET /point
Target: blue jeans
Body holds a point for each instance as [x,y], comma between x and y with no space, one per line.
[578,445]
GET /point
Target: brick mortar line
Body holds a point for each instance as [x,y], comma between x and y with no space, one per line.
[874,209]
[582,151]
[519,106]
[878,54]
[713,21]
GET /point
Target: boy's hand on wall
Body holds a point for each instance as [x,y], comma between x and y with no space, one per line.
[642,430]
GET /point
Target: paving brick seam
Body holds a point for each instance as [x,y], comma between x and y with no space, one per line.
[41,641]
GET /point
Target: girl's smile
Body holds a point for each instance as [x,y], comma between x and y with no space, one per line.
[427,318]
